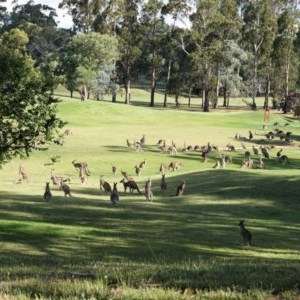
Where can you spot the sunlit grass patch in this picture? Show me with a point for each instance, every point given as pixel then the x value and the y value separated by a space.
pixel 183 247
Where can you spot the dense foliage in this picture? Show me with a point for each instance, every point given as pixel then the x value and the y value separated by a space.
pixel 181 46
pixel 27 111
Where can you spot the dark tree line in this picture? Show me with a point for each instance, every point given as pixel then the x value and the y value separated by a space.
pixel 213 47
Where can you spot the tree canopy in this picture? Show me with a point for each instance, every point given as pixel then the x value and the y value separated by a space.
pixel 27 110
pixel 179 45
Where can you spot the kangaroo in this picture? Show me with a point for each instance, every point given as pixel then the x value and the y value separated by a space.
pixel 163 184
pixel 247 237
pixel 174 165
pixel 283 159
pixel 180 189
pixel 114 196
pixel 162 168
pixel 142 164
pixel 81 165
pixel 66 189
pixel 23 172
pixel 148 190
pixel 55 179
pixel 104 185
pixel 125 174
pixel 131 184
pixel 137 170
pixel 47 194
pixel 143 140
pixel 114 169
pixel 83 175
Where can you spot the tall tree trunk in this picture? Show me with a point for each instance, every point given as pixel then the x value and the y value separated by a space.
pixel 167 82
pixel 268 89
pixel 287 73
pixel 190 92
pixel 127 91
pixel 205 91
pixel 224 97
pixel 217 89
pixel 84 94
pixel 206 101
pixel 153 85
pixel 177 103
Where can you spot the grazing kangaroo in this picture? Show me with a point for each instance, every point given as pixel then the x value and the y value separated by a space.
pixel 163 184
pixel 174 165
pixel 181 189
pixel 283 159
pixel 247 237
pixel 230 147
pixel 104 185
pixel 81 165
pixel 148 190
pixel 114 196
pixel 66 189
pixel 55 179
pixel 131 184
pixel 47 194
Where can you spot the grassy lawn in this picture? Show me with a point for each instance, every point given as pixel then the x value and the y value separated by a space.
pixel 176 247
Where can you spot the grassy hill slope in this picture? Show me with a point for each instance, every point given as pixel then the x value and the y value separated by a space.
pixel 172 248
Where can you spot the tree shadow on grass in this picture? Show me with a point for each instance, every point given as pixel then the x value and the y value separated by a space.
pixel 204 221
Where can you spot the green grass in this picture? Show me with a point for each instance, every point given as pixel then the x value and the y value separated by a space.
pixel 186 247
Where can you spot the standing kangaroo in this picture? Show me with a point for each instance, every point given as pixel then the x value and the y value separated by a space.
pixel 114 196
pixel 66 189
pixel 247 237
pixel 148 190
pixel 24 173
pixel 180 189
pixel 47 194
pixel 163 184
pixel 104 185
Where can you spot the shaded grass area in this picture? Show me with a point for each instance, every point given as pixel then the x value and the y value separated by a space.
pixel 187 242
pixel 173 248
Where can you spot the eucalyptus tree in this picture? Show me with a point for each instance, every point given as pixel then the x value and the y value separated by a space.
pixel 81 12
pixel 45 38
pixel 207 36
pixel 258 36
pixel 38 21
pixel 286 53
pixel 28 117
pixel 230 80
pixel 178 10
pixel 228 27
pixel 116 18
pixel 181 77
pixel 84 57
pixel 3 13
pixel 129 45
pixel 153 29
